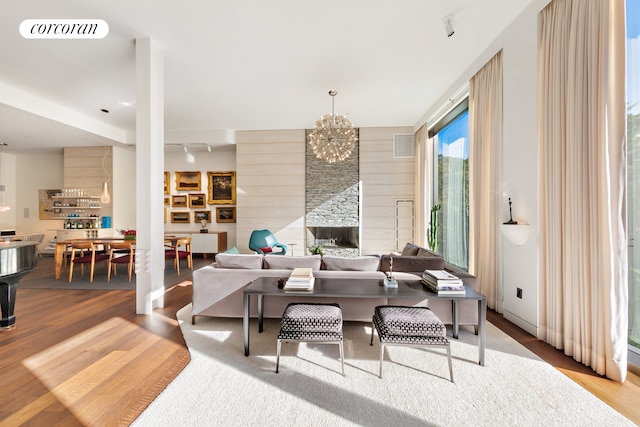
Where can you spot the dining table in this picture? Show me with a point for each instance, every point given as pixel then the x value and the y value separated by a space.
pixel 61 247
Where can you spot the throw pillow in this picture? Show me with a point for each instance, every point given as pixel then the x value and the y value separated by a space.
pixel 232 250
pixel 410 249
pixel 241 261
pixel 280 262
pixel 363 263
pixel 266 249
pixel 412 264
pixel 426 252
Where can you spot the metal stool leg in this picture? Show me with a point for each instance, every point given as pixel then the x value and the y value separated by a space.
pixel 342 355
pixel 381 358
pixel 278 357
pixel 450 365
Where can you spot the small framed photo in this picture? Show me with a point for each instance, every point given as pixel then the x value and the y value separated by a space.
pixel 197 201
pixel 222 188
pixel 179 200
pixel 165 215
pixel 167 186
pixel 201 216
pixel 167 200
pixel 180 217
pixel 187 181
pixel 227 214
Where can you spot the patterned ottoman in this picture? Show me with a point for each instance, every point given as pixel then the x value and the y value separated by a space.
pixel 309 322
pixel 409 326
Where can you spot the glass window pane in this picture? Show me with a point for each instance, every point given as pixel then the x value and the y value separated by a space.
pixel 452 190
pixel 633 167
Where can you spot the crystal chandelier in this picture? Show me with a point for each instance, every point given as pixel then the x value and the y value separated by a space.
pixel 333 137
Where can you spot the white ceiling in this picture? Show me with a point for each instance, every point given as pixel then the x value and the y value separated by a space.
pixel 236 65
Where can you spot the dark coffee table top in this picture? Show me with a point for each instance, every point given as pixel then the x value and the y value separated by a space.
pixel 357 288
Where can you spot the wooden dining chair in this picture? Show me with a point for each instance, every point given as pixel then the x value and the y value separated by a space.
pixel 174 252
pixel 121 253
pixel 78 256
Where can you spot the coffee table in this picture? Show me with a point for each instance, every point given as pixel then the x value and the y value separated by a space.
pixel 363 288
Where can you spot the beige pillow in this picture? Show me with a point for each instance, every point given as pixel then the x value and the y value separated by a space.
pixel 363 263
pixel 241 261
pixel 284 262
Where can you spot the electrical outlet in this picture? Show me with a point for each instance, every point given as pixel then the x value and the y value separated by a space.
pixel 519 293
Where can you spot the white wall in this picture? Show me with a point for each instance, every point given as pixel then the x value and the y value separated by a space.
pixel 219 160
pixel 36 172
pixel 8 174
pixel 520 166
pixel 123 188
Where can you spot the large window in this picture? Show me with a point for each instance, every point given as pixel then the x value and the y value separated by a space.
pixel 450 137
pixel 633 170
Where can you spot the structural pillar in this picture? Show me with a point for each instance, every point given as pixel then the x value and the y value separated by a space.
pixel 149 176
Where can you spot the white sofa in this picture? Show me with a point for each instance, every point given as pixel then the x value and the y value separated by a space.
pixel 218 287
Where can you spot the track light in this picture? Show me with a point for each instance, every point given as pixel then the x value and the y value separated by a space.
pixel 448 26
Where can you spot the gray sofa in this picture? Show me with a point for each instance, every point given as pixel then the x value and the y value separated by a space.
pixel 218 287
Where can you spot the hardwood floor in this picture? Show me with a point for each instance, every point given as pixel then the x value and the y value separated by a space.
pixel 85 358
pixel 79 357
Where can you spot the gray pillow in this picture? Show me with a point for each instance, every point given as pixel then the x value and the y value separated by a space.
pixel 363 263
pixel 241 261
pixel 410 249
pixel 284 262
pixel 412 264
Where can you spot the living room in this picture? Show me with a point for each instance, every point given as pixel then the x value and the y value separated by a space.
pixel 269 161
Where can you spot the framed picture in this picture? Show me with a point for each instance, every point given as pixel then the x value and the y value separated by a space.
pixel 180 217
pixel 165 215
pixel 197 201
pixel 179 200
pixel 167 187
pixel 226 214
pixel 201 215
pixel 167 200
pixel 187 181
pixel 222 188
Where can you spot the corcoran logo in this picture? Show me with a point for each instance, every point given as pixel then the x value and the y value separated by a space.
pixel 64 29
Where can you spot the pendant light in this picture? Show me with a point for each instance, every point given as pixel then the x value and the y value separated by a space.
pixel 105 197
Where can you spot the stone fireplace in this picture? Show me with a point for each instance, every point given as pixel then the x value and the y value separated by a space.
pixel 333 203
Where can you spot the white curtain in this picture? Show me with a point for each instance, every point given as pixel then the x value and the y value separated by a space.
pixel 581 131
pixel 424 166
pixel 485 158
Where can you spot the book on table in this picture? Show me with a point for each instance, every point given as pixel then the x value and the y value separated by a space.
pixel 300 279
pixel 440 278
pixel 445 289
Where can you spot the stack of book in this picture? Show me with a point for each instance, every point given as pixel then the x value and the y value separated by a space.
pixel 442 282
pixel 301 279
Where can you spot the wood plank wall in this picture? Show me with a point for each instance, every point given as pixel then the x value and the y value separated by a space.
pixel 88 168
pixel 270 178
pixel 384 179
pixel 270 168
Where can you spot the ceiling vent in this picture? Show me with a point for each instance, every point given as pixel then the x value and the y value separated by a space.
pixel 403 145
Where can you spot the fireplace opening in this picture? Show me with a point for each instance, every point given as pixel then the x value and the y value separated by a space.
pixel 342 237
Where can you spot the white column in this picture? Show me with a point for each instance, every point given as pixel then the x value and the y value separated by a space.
pixel 149 176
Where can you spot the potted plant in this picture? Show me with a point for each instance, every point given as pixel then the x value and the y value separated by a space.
pixel 432 230
pixel 316 250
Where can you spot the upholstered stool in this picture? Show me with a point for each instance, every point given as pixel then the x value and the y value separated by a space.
pixel 308 322
pixel 409 326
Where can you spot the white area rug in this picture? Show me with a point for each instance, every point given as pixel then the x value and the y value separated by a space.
pixel 221 386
